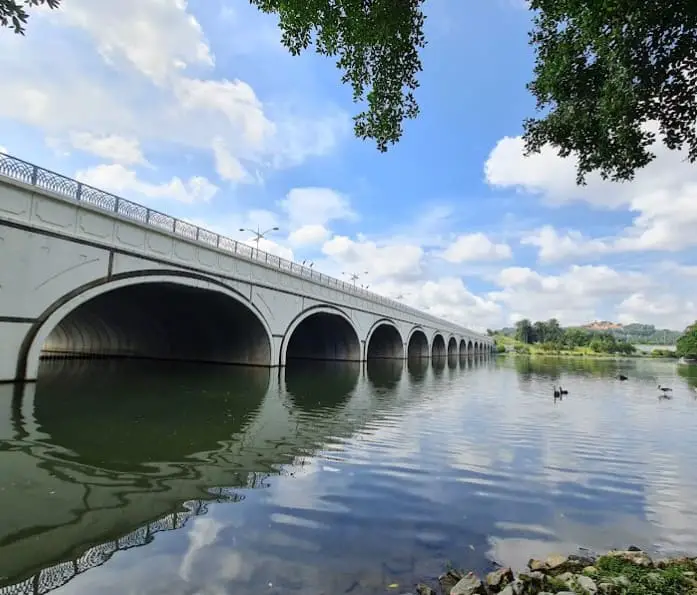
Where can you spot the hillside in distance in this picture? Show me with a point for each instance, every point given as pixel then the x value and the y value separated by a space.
pixel 646 334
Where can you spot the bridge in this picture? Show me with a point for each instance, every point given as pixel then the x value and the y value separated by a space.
pixel 84 273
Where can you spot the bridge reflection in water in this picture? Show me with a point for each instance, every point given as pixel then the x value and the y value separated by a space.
pixel 100 456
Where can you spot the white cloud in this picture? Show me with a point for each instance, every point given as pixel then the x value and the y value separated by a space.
pixel 227 165
pixel 158 38
pixel 125 182
pixel 309 235
pixel 476 247
pixel 110 94
pixel 663 197
pixel 574 297
pixel 112 147
pixel 315 206
pixel 380 261
pixel 663 309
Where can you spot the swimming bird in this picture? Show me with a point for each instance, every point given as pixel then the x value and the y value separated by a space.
pixel 622 377
pixel 562 391
pixel 665 389
pixel 557 393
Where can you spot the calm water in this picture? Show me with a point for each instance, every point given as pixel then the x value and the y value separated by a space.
pixel 133 478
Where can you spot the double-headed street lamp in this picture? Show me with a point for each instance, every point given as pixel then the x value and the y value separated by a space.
pixel 354 276
pixel 258 235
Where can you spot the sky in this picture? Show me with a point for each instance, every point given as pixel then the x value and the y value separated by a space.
pixel 196 109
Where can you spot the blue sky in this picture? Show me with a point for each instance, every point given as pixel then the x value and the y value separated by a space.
pixel 197 110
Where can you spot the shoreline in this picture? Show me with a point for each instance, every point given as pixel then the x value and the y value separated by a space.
pixel 617 572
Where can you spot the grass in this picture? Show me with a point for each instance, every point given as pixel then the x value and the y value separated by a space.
pixel 639 580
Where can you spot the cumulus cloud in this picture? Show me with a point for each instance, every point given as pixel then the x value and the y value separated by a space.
pixel 662 197
pixel 476 247
pixel 120 180
pixel 149 81
pixel 111 147
pixel 574 296
pixel 315 206
pixel 309 235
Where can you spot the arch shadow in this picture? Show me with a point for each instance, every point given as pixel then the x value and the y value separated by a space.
pixel 417 369
pixel 438 349
pixel 323 333
pixel 452 347
pixel 417 344
pixel 152 315
pixel 124 415
pixel 384 374
pixel 384 341
pixel 321 385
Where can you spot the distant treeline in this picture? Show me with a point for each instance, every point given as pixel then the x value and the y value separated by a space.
pixel 646 334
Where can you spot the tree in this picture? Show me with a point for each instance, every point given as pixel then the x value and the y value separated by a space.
pixel 539 332
pixel 603 71
pixel 576 337
pixel 377 43
pixel 687 343
pixel 13 13
pixel 523 331
pixel 553 331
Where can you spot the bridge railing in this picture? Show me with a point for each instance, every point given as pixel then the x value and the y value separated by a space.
pixel 28 173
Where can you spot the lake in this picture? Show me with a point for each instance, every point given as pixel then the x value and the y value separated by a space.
pixel 136 477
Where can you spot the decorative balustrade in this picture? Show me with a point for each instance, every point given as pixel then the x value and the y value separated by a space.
pixel 28 173
pixel 55 576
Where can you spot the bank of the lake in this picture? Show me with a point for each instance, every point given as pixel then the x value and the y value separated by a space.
pixel 619 572
pixel 124 477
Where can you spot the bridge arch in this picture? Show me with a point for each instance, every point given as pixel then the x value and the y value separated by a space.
pixel 470 347
pixel 150 314
pixel 476 346
pixel 462 348
pixel 452 347
pixel 321 333
pixel 438 348
pixel 384 341
pixel 417 344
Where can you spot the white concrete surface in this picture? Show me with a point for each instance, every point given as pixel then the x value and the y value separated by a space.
pixel 84 272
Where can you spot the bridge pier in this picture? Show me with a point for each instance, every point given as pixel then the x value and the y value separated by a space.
pixel 12 335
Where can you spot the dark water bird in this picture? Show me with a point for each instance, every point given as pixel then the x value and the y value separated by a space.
pixel 562 391
pixel 557 393
pixel 622 377
pixel 665 389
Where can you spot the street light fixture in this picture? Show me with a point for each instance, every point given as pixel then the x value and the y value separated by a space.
pixel 354 276
pixel 258 235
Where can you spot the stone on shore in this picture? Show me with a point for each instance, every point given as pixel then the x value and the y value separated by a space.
pixel 469 585
pixel 448 580
pixel 424 590
pixel 498 579
pixel 638 558
pixel 587 584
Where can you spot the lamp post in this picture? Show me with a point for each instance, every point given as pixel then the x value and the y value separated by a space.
pixel 258 235
pixel 354 276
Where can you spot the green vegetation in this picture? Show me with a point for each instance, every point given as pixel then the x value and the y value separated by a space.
pixel 641 580
pixel 687 343
pixel 603 70
pixel 646 334
pixel 13 13
pixel 550 338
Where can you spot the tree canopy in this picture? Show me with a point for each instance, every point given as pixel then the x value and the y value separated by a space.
pixel 13 13
pixel 610 77
pixel 687 343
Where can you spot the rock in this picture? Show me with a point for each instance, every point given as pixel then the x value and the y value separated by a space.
pixel 587 584
pixel 662 563
pixel 622 581
pixel 590 570
pixel 608 589
pixel 633 548
pixel 470 585
pixel 566 577
pixel 517 587
pixel 448 580
pixel 498 579
pixel 534 564
pixel 558 563
pixel 637 558
pixel 424 590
